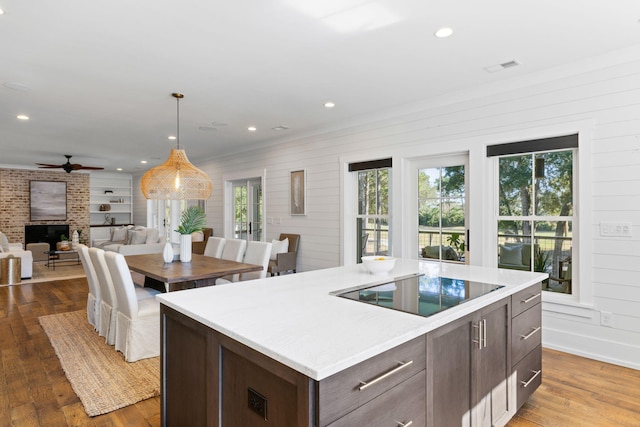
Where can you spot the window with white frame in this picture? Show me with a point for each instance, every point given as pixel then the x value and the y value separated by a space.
pixel 536 216
pixel 373 214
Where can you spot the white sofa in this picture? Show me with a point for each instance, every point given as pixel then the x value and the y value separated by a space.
pixel 130 240
pixel 26 263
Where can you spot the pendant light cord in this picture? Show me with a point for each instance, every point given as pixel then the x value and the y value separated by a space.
pixel 178 97
pixel 178 122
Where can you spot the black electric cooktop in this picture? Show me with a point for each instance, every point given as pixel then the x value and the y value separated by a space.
pixel 421 295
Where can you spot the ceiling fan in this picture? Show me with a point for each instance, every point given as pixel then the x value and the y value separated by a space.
pixel 68 167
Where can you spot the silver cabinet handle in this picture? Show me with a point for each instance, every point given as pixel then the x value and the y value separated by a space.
pixel 479 340
pixel 530 334
pixel 535 374
pixel 484 332
pixel 400 367
pixel 531 298
pixel 407 424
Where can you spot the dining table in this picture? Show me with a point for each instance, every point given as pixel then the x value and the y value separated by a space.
pixel 201 271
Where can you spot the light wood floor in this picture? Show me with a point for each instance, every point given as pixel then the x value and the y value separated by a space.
pixel 34 391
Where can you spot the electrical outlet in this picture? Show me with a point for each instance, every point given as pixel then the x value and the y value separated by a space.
pixel 606 319
pixel 616 229
pixel 257 403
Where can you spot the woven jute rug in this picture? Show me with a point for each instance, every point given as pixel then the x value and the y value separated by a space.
pixel 98 374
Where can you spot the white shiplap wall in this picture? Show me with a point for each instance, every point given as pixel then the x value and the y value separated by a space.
pixel 602 94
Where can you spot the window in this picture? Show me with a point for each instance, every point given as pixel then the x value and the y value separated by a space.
pixel 247 209
pixel 441 212
pixel 535 213
pixel 373 234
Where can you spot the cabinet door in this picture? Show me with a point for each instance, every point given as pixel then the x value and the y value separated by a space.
pixel 491 365
pixel 467 368
pixel 188 360
pixel 449 375
pixel 257 391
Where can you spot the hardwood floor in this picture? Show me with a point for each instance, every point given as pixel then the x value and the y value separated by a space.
pixel 33 388
pixel 576 391
pixel 35 392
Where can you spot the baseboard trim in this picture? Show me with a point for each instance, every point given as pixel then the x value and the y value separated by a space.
pixel 609 351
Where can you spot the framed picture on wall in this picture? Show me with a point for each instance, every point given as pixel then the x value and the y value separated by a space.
pixel 298 193
pixel 48 200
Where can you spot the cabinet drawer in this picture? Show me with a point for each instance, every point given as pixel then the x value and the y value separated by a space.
pixel 404 403
pixel 526 333
pixel 525 299
pixel 343 392
pixel 529 375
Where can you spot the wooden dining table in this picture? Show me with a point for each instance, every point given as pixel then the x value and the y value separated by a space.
pixel 201 271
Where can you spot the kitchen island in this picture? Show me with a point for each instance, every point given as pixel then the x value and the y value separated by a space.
pixel 287 351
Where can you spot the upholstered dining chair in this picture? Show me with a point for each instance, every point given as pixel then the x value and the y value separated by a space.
pixel 257 253
pixel 215 246
pixel 137 321
pixel 233 251
pixel 109 303
pixel 285 261
pixel 93 298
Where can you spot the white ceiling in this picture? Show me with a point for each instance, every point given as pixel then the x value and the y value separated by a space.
pixel 95 76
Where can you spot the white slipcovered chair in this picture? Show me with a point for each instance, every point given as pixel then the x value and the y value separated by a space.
pixel 138 320
pixel 257 253
pixel 93 298
pixel 233 251
pixel 214 247
pixel 109 303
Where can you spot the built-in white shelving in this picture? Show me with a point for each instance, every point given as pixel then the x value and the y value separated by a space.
pixel 111 199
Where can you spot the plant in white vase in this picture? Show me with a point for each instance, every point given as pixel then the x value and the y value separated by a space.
pixel 193 219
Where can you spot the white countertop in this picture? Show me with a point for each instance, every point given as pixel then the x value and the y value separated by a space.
pixel 295 319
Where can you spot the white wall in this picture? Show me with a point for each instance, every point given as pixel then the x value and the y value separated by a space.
pixel 601 96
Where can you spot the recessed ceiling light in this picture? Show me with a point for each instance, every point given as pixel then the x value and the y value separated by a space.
pixel 329 104
pixel 118 169
pixel 144 162
pixel 1 12
pixel 171 137
pixel 22 117
pixel 252 128
pixel 443 32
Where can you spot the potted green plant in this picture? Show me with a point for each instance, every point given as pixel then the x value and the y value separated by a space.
pixel 193 219
pixel 64 243
pixel 455 240
pixel 541 262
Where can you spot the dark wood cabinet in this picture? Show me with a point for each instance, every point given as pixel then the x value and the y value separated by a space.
pixel 401 405
pixel 461 374
pixel 468 363
pixel 207 377
pixel 351 388
pixel 526 338
pixel 189 372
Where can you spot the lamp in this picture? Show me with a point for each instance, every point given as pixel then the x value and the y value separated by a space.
pixel 177 178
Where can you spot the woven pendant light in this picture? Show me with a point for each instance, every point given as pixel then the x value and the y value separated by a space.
pixel 177 178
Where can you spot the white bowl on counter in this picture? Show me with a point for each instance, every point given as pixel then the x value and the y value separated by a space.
pixel 378 264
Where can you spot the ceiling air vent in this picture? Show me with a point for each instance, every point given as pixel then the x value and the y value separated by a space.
pixel 503 66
